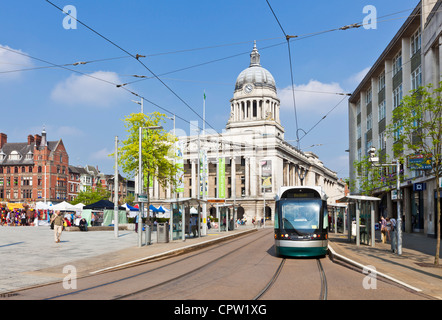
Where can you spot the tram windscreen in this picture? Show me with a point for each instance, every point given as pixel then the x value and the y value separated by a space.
pixel 301 216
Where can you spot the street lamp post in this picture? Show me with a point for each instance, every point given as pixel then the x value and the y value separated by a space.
pixel 140 186
pixel 375 160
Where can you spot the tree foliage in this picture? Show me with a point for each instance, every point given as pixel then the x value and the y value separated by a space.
pixel 157 149
pixel 416 129
pixel 91 195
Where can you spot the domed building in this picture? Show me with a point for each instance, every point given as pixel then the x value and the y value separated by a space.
pixel 244 166
pixel 255 104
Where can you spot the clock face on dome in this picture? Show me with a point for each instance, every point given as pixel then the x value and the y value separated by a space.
pixel 248 88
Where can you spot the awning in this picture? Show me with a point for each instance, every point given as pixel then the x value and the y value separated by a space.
pixel 12 206
pixel 351 198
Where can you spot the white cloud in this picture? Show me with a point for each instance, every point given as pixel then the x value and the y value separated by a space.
pixel 354 80
pixel 77 90
pixel 313 97
pixel 10 60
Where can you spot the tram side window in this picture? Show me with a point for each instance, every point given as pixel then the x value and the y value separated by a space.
pixel 277 215
pixel 325 223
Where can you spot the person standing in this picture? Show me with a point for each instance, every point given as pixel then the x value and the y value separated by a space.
pixel 57 218
pixel 383 229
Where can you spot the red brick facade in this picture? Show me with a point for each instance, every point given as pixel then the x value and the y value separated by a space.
pixel 36 170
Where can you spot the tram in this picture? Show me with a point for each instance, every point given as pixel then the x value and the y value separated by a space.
pixel 301 222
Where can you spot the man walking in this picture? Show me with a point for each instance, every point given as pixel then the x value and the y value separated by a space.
pixel 57 218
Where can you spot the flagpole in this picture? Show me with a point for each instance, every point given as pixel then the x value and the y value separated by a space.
pixel 204 113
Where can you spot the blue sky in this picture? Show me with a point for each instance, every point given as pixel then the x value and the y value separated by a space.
pixel 87 113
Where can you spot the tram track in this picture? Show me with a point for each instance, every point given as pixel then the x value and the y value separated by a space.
pixel 121 280
pixel 274 278
pixel 323 294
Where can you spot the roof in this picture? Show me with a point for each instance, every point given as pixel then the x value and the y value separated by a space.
pixel 354 198
pixel 22 149
pixel 392 46
pixel 255 74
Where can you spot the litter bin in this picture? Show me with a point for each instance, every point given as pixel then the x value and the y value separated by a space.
pixel 163 232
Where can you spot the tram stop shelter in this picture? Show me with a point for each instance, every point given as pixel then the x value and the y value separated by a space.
pixel 339 214
pixel 362 208
pixel 182 221
pixel 226 215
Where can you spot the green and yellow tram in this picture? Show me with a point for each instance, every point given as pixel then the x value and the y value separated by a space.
pixel 301 222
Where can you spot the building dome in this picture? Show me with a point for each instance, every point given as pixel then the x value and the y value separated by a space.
pixel 256 75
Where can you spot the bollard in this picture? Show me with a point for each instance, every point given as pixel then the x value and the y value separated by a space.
pixel 148 235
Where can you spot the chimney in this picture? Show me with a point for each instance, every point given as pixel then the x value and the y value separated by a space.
pixel 3 139
pixel 37 139
pixel 30 139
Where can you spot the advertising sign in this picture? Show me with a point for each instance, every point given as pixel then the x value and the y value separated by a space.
pixel 420 162
pixel 180 165
pixel 204 175
pixel 266 175
pixel 221 178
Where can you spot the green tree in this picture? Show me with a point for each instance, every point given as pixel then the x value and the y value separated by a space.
pixel 157 149
pixel 91 195
pixel 371 178
pixel 416 129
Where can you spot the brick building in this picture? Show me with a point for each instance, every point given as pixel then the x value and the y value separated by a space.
pixel 36 170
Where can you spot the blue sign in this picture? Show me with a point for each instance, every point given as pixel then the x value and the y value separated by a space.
pixel 419 186
pixel 420 162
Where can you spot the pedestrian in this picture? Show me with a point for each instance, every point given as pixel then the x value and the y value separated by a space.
pixel 57 218
pixel 393 235
pixel 388 229
pixel 83 225
pixel 383 229
pixel 23 218
pixel 393 224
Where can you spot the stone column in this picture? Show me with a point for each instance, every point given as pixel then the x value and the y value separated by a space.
pixel 247 176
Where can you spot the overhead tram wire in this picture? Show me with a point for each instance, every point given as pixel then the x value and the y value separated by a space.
pixel 203 63
pixel 132 92
pixel 356 25
pixel 305 133
pixel 61 65
pixel 291 68
pixel 53 65
pixel 136 57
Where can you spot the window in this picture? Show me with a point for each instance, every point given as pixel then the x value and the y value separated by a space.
pixel 301 216
pixel 358 107
pixel 358 131
pixel 381 110
pixel 416 42
pixel 397 63
pixel 368 96
pixel 369 122
pixel 398 130
pixel 397 96
pixel 416 78
pixel 14 156
pixel 369 145
pixel 382 141
pixel 381 82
